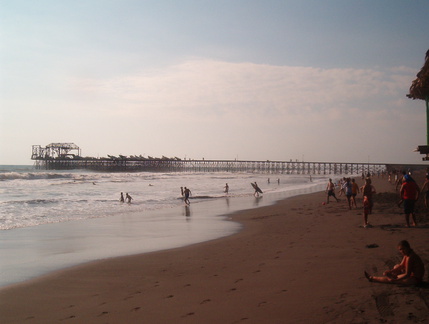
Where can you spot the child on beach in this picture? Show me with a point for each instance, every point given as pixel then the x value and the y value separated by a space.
pixel 366 207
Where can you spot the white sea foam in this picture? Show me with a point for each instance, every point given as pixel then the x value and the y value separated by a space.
pixel 34 197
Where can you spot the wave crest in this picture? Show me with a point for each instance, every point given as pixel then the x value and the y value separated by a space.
pixel 33 176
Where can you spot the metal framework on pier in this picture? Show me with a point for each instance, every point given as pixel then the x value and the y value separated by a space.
pixel 55 151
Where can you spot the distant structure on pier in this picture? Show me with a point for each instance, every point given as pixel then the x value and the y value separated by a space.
pixel 63 156
pixel 55 151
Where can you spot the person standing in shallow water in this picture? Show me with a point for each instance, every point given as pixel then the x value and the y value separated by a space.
pixel 128 198
pixel 226 188
pixel 121 199
pixel 187 193
pixel 257 190
pixel 409 272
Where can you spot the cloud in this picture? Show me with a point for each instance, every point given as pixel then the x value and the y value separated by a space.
pixel 207 88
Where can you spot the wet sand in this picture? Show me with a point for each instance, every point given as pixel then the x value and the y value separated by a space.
pixel 298 261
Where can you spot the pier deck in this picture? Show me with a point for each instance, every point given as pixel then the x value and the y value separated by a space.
pixel 155 165
pixel 66 156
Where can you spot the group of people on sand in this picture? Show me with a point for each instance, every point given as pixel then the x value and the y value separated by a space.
pixel 409 193
pixel 350 189
pixel 127 198
pixel 411 270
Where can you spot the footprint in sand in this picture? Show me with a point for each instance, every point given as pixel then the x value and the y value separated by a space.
pixel 383 305
pixel 189 314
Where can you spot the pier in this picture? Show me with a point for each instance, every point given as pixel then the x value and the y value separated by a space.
pixel 67 156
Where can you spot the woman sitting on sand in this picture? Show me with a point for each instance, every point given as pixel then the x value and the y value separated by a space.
pixel 409 272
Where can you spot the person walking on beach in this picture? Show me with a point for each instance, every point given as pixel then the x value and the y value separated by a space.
pixel 330 189
pixel 366 211
pixel 409 272
pixel 410 193
pixel 128 198
pixel 355 191
pixel 187 193
pixel 368 191
pixel 347 188
pixel 121 199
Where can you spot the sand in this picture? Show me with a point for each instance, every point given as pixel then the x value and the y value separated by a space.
pixel 298 261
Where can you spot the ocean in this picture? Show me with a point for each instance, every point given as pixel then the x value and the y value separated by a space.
pixel 52 219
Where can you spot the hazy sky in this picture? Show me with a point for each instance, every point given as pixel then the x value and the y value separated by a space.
pixel 221 79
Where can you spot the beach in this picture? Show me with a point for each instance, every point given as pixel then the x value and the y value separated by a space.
pixel 297 261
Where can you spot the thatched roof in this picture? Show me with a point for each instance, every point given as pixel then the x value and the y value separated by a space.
pixel 420 87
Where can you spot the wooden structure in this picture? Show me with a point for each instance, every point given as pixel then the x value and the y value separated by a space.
pixel 58 156
pixel 420 90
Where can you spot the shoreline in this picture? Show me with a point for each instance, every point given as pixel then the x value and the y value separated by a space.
pixel 34 251
pixel 295 261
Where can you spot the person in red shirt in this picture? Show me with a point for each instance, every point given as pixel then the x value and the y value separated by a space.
pixel 410 193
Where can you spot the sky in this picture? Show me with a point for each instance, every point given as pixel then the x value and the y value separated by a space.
pixel 306 80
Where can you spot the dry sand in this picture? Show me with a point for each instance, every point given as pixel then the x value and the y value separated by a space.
pixel 298 261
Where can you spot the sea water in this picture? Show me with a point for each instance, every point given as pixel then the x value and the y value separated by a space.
pixel 30 197
pixel 52 219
